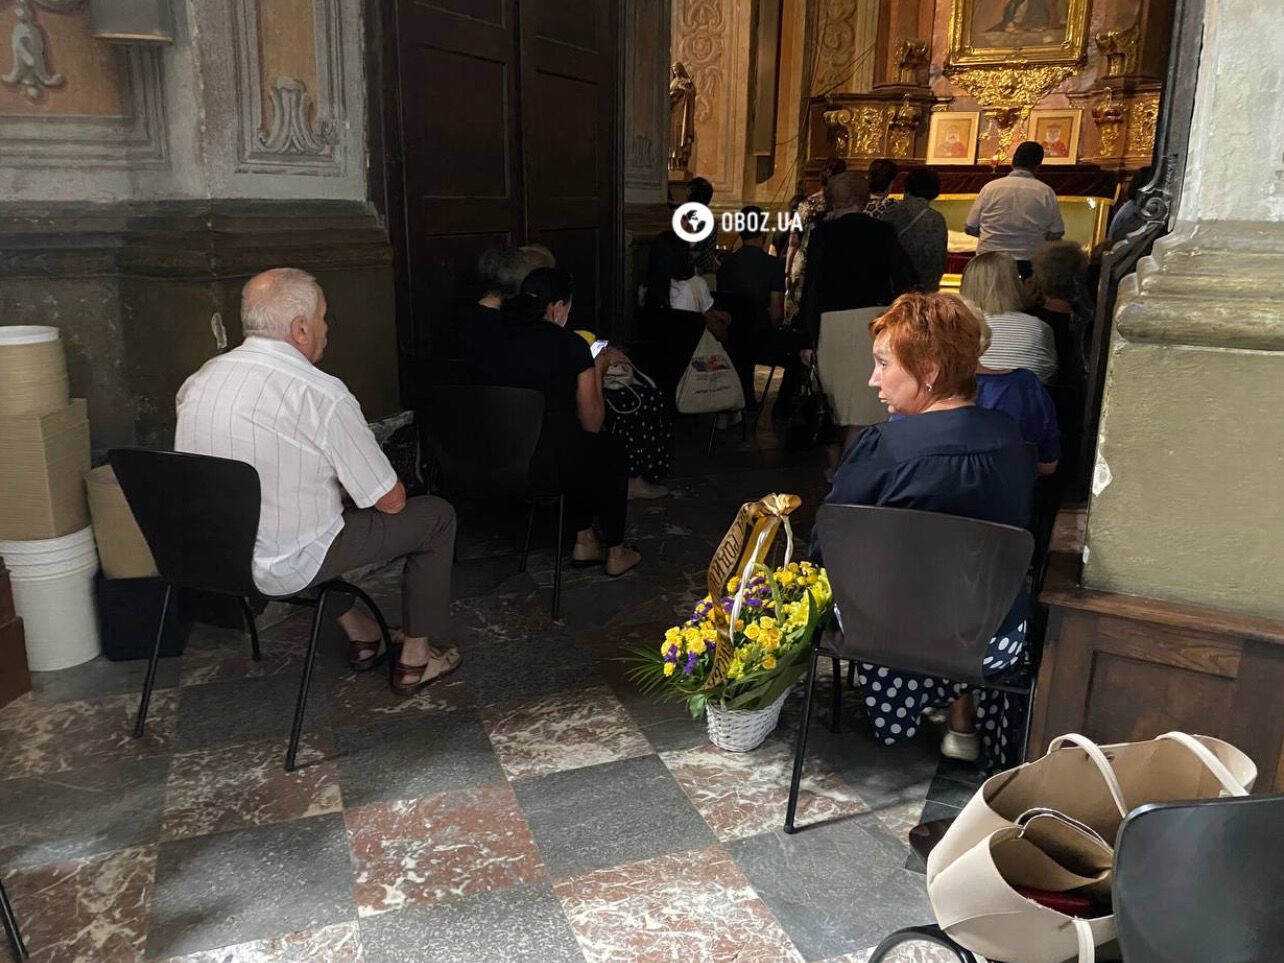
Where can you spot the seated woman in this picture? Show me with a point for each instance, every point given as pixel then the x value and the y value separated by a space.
pixel 947 455
pixel 992 286
pixel 1023 398
pixel 535 350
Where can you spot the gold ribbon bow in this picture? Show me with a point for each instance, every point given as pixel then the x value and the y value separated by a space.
pixel 737 553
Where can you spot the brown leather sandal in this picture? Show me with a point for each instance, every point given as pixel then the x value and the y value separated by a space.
pixel 441 662
pixel 359 663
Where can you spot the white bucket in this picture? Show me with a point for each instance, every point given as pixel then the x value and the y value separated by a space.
pixel 53 593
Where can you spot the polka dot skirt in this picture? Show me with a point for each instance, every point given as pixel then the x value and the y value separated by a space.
pixel 895 701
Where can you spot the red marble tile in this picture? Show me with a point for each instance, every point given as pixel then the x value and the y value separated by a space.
pixel 440 847
pixel 742 794
pixel 687 906
pixel 37 738
pixel 216 790
pixel 564 731
pixel 92 909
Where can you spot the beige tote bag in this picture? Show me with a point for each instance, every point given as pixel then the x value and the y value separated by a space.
pixel 1046 824
pixel 1098 786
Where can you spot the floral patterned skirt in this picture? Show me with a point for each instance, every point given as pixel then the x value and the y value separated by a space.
pixel 895 700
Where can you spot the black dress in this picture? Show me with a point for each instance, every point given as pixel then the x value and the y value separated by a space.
pixel 588 467
pixel 966 461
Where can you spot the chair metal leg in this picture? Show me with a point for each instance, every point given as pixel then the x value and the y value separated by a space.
pixel 851 674
pixel 921 934
pixel 837 701
pixel 557 560
pixel 150 681
pixel 713 431
pixel 767 388
pixel 526 545
pixel 11 925
pixel 253 629
pixel 800 745
pixel 350 589
pixel 301 706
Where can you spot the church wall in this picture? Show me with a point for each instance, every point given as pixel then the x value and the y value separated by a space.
pixel 138 194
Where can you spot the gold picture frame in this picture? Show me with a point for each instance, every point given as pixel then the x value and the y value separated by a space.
pixel 1058 131
pixel 1009 32
pixel 952 136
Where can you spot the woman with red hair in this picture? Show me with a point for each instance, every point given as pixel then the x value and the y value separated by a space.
pixel 944 454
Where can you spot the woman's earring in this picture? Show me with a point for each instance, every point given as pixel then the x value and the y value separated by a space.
pixel 929 386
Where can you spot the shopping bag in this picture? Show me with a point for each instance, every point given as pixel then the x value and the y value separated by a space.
pixel 710 382
pixel 1098 785
pixel 982 909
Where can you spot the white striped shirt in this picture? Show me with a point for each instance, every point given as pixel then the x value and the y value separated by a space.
pixel 1021 340
pixel 265 404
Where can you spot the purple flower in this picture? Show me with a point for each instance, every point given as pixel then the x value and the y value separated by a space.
pixel 672 654
pixel 690 666
pixel 753 603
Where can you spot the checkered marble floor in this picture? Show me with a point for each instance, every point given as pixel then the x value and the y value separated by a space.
pixel 533 807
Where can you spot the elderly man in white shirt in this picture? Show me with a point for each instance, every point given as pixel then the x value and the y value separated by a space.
pixel 266 403
pixel 1016 215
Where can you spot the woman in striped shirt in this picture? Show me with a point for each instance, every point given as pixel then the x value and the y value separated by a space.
pixel 992 286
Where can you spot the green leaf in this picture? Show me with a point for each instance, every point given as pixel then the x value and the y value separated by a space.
pixel 696 704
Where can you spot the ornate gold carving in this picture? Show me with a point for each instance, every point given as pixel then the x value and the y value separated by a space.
pixel 1007 94
pixel 1143 116
pixel 1119 47
pixel 838 128
pixel 869 132
pixel 1068 48
pixel 904 125
pixel 1109 117
pixel 911 56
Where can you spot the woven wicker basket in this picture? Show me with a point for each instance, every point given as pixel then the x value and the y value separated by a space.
pixel 742 730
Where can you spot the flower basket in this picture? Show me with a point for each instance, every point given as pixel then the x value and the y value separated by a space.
pixel 748 641
pixel 742 730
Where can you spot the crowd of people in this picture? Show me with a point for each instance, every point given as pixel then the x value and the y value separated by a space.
pixel 982 392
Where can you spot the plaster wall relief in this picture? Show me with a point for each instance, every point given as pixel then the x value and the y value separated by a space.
pixel 289 76
pixel 711 38
pixel 646 102
pixel 67 98
pixel 846 39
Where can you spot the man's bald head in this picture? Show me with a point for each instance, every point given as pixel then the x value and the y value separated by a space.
pixel 285 304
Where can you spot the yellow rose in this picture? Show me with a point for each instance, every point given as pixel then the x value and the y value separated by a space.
pixel 785 577
pixel 751 631
pixel 767 622
pixel 740 625
pixel 669 668
pixel 768 663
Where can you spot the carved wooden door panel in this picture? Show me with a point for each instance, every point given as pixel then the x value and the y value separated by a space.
pixel 569 98
pixel 460 153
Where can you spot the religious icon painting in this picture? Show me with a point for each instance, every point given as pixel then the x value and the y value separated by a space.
pixel 951 138
pixel 1058 132
pixel 1013 33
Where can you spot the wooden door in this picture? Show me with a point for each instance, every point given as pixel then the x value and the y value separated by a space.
pixel 461 157
pixel 569 104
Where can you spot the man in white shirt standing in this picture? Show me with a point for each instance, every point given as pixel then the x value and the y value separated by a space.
pixel 1016 215
pixel 266 403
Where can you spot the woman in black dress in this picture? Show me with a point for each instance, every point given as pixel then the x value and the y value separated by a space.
pixel 534 349
pixel 944 455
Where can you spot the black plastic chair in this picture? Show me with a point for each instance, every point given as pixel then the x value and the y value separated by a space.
pixel 1197 882
pixel 200 515
pixel 484 438
pixel 11 925
pixel 918 591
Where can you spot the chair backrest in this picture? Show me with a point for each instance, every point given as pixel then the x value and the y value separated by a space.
pixel 1202 881
pixel 199 514
pixel 484 436
pixel 920 591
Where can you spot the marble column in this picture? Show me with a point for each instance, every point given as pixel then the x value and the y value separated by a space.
pixel 1186 495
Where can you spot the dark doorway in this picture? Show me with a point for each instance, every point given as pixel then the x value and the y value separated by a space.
pixel 499 126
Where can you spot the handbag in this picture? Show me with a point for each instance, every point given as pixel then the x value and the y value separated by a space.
pixel 636 416
pixel 973 872
pixel 710 383
pixel 809 423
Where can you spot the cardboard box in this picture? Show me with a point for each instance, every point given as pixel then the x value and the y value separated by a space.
pixel 121 547
pixel 43 460
pixel 15 679
pixel 6 596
